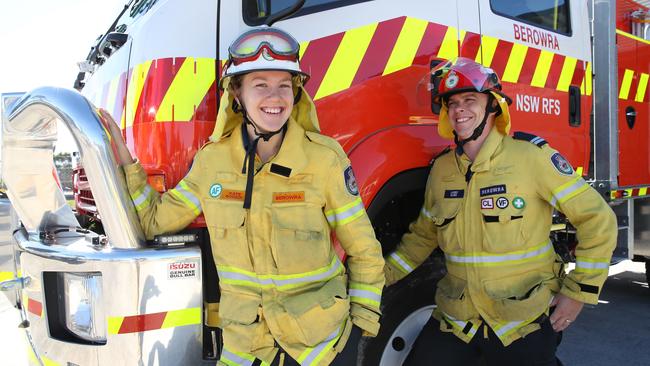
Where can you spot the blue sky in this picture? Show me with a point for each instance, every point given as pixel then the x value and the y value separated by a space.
pixel 41 42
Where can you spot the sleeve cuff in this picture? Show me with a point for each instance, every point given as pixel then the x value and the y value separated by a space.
pixel 134 172
pixel 365 319
pixel 578 292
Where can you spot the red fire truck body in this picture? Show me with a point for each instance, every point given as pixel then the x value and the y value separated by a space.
pixel 575 70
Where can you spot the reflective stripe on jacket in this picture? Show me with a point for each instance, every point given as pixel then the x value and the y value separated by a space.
pixel 494 232
pixel 280 277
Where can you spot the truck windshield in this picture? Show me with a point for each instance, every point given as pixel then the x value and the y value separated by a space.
pixel 549 14
pixel 256 11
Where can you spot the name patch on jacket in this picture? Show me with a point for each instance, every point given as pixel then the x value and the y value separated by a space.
pixel 454 193
pixel 284 197
pixel 492 190
pixel 228 194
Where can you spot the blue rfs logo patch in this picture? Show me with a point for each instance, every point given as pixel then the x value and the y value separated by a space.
pixel 561 164
pixel 350 181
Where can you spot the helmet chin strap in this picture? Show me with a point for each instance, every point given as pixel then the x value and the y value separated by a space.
pixel 478 131
pixel 249 160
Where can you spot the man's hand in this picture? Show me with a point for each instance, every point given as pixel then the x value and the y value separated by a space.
pixel 566 312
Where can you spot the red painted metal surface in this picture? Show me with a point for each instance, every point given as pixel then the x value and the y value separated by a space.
pixel 634 160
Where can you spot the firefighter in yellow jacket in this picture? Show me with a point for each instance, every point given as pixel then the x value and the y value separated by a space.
pixel 488 205
pixel 272 190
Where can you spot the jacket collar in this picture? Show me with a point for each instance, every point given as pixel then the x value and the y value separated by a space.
pixel 289 160
pixel 485 154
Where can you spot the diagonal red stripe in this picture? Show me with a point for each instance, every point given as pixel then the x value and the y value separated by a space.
pixel 207 109
pixel 578 73
pixel 430 44
pixel 141 323
pixel 501 55
pixel 471 43
pixel 555 71
pixel 317 59
pixel 161 74
pixel 528 68
pixel 35 307
pixel 379 49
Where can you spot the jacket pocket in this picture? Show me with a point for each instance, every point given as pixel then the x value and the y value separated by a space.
pixel 452 300
pixel 443 216
pixel 503 228
pixel 519 297
pixel 226 225
pixel 238 315
pixel 301 241
pixel 312 316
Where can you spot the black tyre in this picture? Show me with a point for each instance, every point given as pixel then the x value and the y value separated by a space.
pixel 407 306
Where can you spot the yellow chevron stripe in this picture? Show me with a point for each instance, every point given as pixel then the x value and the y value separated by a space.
pixel 449 46
pixel 347 59
pixel 643 191
pixel 187 90
pixel 178 318
pixel 641 88
pixel 461 36
pixel 515 63
pixel 138 77
pixel 624 93
pixel 114 324
pixel 486 50
pixel 406 46
pixel 579 171
pixel 303 48
pixel 567 73
pixel 4 276
pixel 542 69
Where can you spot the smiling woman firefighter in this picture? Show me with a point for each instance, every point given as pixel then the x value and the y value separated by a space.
pixel 488 206
pixel 272 190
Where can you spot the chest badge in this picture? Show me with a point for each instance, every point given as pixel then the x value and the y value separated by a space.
pixel 518 203
pixel 215 190
pixel 487 203
pixel 502 202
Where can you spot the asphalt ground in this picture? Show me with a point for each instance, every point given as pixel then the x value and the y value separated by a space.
pixel 615 332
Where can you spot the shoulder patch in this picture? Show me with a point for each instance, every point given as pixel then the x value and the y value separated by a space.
pixel 535 140
pixel 351 181
pixel 443 152
pixel 561 164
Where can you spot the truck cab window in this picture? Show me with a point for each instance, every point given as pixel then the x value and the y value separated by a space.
pixel 256 11
pixel 548 14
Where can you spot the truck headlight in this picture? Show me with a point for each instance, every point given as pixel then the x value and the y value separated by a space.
pixel 83 311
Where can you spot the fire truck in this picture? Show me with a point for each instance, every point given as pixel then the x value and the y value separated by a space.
pixel 92 291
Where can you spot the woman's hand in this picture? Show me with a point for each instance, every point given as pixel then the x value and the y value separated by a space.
pixel 122 152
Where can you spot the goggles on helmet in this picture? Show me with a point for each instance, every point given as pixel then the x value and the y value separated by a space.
pixel 269 43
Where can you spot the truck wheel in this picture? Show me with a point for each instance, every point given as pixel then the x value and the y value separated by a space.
pixel 407 306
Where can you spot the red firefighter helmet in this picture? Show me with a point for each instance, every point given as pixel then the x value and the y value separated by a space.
pixel 462 75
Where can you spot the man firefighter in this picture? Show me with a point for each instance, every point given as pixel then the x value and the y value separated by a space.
pixel 488 205
pixel 272 189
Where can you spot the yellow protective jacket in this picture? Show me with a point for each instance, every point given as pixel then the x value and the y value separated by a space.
pixel 280 278
pixel 494 232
